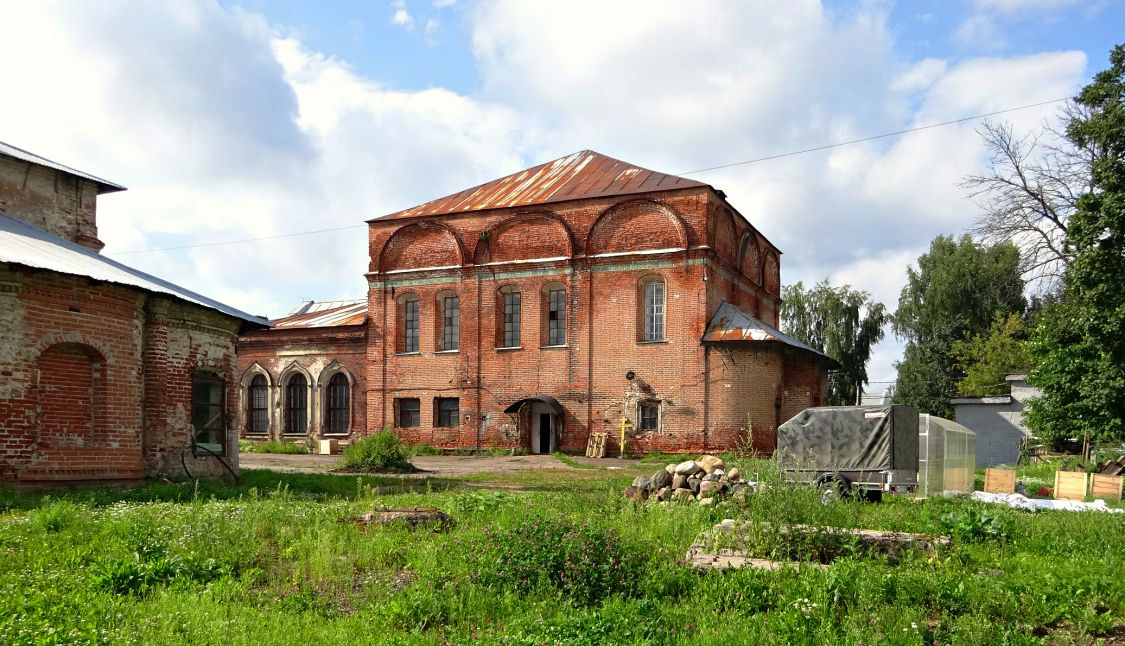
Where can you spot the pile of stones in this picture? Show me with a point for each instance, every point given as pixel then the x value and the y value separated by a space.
pixel 704 480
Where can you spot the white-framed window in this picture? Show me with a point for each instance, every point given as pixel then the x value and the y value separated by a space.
pixel 652 309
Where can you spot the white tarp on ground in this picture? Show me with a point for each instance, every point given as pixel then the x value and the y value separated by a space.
pixel 1023 502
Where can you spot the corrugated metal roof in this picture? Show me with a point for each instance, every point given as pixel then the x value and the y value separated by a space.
pixel 27 245
pixel 730 324
pixel 325 314
pixel 581 175
pixel 104 186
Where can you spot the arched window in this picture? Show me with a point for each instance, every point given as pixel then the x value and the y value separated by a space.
pixel 339 404
pixel 297 405
pixel 554 314
pixel 257 406
pixel 449 321
pixel 652 308
pixel 408 324
pixel 509 320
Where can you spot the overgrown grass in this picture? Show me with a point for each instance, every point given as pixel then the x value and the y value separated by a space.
pixel 277 560
pixel 571 462
pixel 272 446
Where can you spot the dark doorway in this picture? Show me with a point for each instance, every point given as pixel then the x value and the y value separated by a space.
pixel 544 432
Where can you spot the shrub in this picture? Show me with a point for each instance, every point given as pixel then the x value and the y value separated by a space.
pixel 383 451
pixel 583 562
pixel 973 525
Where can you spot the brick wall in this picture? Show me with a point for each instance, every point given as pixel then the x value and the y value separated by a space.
pixel 317 354
pixel 96 379
pixel 57 202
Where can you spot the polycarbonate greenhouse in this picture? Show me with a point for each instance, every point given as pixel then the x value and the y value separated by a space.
pixel 947 456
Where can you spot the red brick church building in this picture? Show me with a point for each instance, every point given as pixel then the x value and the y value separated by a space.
pixel 539 307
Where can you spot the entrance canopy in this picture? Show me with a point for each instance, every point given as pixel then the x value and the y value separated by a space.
pixel 546 399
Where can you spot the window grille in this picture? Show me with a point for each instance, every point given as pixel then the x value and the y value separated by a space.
pixel 654 311
pixel 451 323
pixel 207 414
pixel 339 408
pixel 511 319
pixel 556 317
pixel 258 415
pixel 410 325
pixel 297 405
pixel 649 416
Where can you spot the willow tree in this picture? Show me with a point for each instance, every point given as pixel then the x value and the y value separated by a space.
pixel 841 322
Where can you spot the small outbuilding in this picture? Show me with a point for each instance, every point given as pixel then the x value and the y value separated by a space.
pixel 106 373
pixel 997 421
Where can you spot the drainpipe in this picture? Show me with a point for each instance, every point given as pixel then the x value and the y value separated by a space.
pixel 590 354
pixel 479 420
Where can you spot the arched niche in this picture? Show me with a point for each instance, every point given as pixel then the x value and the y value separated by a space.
pixel 723 236
pixel 525 237
pixel 639 225
pixel 771 273
pixel 750 258
pixel 419 246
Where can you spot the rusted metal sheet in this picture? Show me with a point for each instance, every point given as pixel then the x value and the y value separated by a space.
pixel 581 175
pixel 731 325
pixel 337 313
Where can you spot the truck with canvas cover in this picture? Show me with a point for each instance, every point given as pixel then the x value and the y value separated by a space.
pixel 847 448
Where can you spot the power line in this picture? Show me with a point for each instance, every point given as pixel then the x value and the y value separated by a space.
pixel 690 172
pixel 874 137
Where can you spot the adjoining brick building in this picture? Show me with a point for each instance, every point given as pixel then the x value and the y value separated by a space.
pixel 540 307
pixel 106 373
pixel 306 378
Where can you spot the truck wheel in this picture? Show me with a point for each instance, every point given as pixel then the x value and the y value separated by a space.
pixel 834 487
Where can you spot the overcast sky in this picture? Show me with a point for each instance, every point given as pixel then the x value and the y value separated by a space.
pixel 235 120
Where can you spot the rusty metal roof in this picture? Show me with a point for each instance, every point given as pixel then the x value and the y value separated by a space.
pixel 325 314
pixel 581 175
pixel 104 186
pixel 730 324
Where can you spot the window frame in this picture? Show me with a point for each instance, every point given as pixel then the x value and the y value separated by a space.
pixel 409 328
pixel 449 322
pixel 330 407
pixel 399 401
pixel 657 409
pixel 653 316
pixel 252 409
pixel 219 418
pixel 554 302
pixel 447 418
pixel 509 334
pixel 302 397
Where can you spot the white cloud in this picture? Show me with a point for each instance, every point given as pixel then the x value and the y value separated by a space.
pixel 403 18
pixel 225 129
pixel 1025 6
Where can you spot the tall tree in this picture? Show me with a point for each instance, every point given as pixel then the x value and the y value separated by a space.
pixel 1030 189
pixel 988 358
pixel 1079 345
pixel 841 322
pixel 957 290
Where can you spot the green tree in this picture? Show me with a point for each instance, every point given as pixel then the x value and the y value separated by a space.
pixel 1079 344
pixel 956 291
pixel 843 323
pixel 988 358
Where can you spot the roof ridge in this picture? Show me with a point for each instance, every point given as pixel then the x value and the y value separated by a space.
pixel 579 175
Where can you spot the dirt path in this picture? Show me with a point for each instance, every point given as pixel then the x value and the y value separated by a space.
pixel 440 466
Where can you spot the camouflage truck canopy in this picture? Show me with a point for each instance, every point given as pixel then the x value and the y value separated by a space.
pixel 850 438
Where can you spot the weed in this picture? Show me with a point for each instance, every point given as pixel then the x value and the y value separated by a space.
pixel 289 448
pixel 381 452
pixel 972 525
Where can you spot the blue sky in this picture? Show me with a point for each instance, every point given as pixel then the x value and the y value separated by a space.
pixel 261 118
